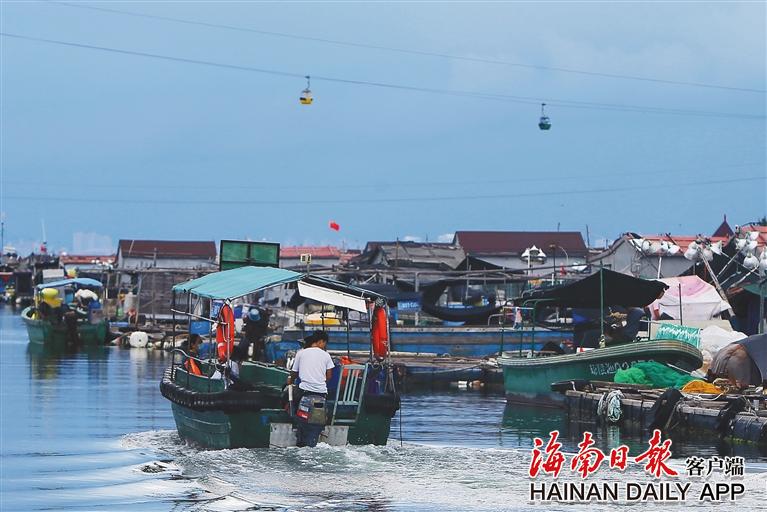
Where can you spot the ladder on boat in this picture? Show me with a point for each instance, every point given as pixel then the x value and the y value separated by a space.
pixel 350 391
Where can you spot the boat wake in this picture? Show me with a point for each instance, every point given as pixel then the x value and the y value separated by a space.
pixel 392 477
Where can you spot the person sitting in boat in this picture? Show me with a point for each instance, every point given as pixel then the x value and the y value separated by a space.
pixel 622 324
pixel 50 307
pixel 192 347
pixel 314 367
pixel 232 369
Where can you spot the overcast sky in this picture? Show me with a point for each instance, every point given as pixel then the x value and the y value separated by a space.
pixel 101 145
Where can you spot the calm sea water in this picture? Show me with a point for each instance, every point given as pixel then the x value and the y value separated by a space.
pixel 90 431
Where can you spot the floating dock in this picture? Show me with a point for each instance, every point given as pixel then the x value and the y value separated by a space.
pixel 737 417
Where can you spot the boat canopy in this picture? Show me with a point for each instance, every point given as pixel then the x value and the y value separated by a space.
pixel 79 281
pixel 230 284
pixel 619 290
pixel 238 282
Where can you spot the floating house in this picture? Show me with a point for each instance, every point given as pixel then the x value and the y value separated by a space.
pixel 412 255
pixel 167 254
pixel 316 257
pixel 535 253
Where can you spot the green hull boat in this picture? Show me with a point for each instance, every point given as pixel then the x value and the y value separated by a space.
pixel 211 416
pixel 49 333
pixel 253 411
pixel 529 380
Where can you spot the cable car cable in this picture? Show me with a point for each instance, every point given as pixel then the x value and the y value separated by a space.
pixel 431 198
pixel 410 51
pixel 448 92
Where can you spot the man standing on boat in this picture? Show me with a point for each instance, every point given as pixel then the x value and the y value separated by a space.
pixel 314 367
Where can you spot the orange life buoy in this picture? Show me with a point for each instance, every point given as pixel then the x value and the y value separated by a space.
pixel 380 333
pixel 225 332
pixel 191 366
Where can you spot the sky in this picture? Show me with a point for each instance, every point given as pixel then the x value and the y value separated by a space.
pixel 99 145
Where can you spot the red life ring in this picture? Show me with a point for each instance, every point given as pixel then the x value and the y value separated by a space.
pixel 225 332
pixel 379 335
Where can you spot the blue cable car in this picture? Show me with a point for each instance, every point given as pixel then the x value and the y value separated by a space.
pixel 544 123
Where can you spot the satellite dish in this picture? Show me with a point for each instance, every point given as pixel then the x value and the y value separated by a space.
pixel 656 248
pixel 752 245
pixel 750 262
pixel 707 254
pixel 740 243
pixel 646 246
pixel 637 243
pixel 673 249
pixel 763 260
pixel 717 248
pixel 753 235
pixel 691 253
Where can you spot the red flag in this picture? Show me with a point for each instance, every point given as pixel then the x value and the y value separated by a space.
pixel 334 225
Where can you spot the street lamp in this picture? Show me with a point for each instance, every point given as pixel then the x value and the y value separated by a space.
pixel 554 248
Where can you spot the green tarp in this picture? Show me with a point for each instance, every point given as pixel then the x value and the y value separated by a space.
pixel 238 282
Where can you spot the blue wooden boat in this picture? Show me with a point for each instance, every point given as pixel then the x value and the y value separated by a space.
pixel 463 341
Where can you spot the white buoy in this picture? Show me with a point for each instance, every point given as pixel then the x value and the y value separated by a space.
pixel 138 339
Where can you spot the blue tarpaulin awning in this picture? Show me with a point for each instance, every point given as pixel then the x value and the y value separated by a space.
pixel 238 282
pixel 79 281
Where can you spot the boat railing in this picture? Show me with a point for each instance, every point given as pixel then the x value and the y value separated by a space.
pixel 505 311
pixel 350 391
pixel 184 357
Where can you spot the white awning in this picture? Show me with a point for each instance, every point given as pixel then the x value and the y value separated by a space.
pixel 333 297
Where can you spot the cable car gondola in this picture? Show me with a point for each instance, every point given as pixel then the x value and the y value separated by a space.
pixel 306 94
pixel 544 123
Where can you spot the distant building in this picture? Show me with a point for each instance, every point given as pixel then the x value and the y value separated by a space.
pixel 169 254
pixel 321 256
pixel 415 255
pixel 626 255
pixel 724 229
pixel 85 262
pixel 524 250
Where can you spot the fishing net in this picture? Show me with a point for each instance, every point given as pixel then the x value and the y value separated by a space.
pixel 650 373
pixel 701 386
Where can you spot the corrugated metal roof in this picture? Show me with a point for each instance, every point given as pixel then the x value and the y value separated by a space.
pixel 84 259
pixel 515 242
pixel 325 251
pixel 422 254
pixel 167 249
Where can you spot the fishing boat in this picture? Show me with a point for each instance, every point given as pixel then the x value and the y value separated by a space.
pixel 528 376
pixel 60 321
pixel 529 380
pixel 257 412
